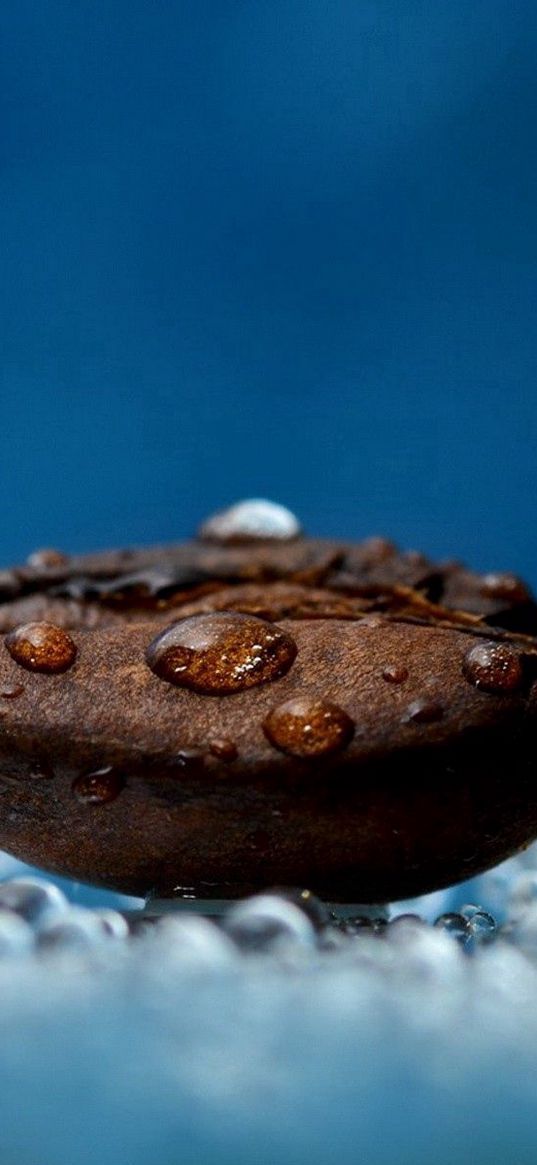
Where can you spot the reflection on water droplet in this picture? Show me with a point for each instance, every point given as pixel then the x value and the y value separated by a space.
pixel 98 787
pixel 221 653
pixel 11 691
pixel 224 748
pixel 252 520
pixel 395 673
pixel 308 728
pixel 46 559
pixel 493 667
pixel 423 711
pixel 33 899
pixel 41 647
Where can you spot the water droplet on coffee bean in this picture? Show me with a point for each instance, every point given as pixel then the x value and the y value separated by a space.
pixel 504 586
pixel 493 667
pixel 11 691
pixel 308 728
pixel 395 673
pixel 46 559
pixel 41 647
pixel 252 520
pixel 423 711
pixel 223 748
pixel 98 787
pixel 221 653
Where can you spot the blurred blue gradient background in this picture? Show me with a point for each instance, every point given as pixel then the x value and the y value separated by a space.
pixel 282 248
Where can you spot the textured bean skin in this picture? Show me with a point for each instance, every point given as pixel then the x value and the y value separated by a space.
pixel 406 806
pixel 122 775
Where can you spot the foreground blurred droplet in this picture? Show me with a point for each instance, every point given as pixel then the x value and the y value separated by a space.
pixel 33 899
pixel 114 924
pixel 76 929
pixel 268 920
pixel 190 942
pixel 16 935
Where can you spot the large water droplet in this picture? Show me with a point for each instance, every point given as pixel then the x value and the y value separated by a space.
pixel 305 727
pixel 252 520
pixel 41 647
pixel 221 653
pixel 493 667
pixel 98 787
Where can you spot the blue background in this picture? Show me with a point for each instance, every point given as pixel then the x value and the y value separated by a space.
pixel 276 247
pixel 282 247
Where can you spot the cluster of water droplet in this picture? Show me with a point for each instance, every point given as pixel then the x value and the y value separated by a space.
pixel 36 916
pixel 183 1026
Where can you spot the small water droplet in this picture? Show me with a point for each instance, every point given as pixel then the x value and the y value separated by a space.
pixel 308 728
pixel 221 653
pixel 41 647
pixel 505 586
pixel 114 924
pixel 395 673
pixel 423 711
pixel 252 520
pixel 187 760
pixel 455 925
pixel 493 667
pixel 362 924
pixel 224 748
pixel 98 787
pixel 40 771
pixel 407 919
pixel 481 925
pixel 11 691
pixel 46 559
